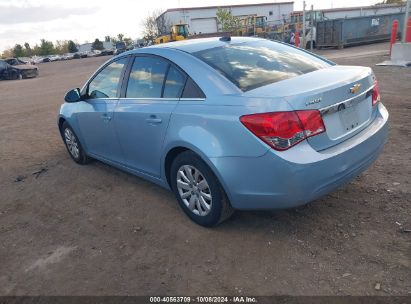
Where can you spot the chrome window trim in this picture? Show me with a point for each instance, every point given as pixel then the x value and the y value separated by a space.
pixel 150 98
pixel 192 99
pixel 347 103
pixel 108 98
pixel 162 99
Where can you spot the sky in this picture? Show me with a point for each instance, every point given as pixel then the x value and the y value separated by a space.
pixel 84 20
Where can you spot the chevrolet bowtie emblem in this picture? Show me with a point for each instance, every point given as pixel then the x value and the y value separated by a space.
pixel 354 89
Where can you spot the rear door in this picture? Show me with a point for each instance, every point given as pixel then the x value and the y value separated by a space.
pixel 95 114
pixel 153 88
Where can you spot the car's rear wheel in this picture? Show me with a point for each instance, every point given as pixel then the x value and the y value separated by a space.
pixel 198 191
pixel 73 145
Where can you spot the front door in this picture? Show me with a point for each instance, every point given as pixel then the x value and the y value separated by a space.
pixel 141 118
pixel 96 112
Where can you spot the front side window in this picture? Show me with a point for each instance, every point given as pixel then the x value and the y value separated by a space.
pixel 146 77
pixel 106 83
pixel 254 64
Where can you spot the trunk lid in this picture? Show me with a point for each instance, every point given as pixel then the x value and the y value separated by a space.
pixel 340 93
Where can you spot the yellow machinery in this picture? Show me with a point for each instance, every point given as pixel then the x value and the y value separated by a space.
pixel 178 32
pixel 253 25
pixel 311 17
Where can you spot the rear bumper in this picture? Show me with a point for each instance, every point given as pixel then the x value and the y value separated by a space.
pixel 301 174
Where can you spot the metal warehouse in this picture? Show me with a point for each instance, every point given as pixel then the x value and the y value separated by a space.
pixel 203 20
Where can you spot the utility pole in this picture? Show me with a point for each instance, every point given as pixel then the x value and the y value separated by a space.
pixel 303 35
pixel 407 13
pixel 312 27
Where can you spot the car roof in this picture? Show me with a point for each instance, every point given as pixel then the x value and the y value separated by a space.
pixel 195 45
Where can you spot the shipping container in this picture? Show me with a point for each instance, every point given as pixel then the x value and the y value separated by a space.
pixel 357 30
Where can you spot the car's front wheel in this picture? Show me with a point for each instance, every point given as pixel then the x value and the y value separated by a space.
pixel 198 191
pixel 73 145
pixel 14 75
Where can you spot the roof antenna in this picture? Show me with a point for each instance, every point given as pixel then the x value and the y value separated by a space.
pixel 225 38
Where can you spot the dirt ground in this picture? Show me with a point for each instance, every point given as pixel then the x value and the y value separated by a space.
pixel 94 230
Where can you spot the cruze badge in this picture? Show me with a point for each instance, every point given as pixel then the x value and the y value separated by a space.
pixel 354 89
pixel 314 101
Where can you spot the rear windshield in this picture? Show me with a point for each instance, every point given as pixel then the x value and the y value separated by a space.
pixel 254 64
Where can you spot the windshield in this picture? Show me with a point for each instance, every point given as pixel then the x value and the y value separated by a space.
pixel 254 64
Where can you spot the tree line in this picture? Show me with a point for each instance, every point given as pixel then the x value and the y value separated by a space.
pixel 154 25
pixel 46 47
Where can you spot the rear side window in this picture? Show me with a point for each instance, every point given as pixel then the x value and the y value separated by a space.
pixel 174 84
pixel 146 77
pixel 191 90
pixel 254 64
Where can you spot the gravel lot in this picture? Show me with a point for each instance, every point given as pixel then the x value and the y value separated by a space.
pixel 94 230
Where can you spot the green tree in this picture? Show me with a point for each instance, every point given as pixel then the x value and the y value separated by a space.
pixel 97 45
pixel 107 38
pixel 227 20
pixel 27 51
pixel 128 41
pixel 113 40
pixel 61 46
pixel 120 37
pixel 46 47
pixel 72 47
pixel 18 51
pixel 155 25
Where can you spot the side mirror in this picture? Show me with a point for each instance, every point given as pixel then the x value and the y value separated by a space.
pixel 73 95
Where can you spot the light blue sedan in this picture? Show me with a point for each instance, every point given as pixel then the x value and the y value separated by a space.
pixel 228 123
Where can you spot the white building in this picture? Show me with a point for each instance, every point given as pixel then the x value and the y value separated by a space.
pixel 204 20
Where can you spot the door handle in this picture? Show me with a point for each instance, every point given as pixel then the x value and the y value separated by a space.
pixel 106 117
pixel 153 119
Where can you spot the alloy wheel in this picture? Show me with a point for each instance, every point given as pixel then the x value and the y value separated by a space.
pixel 71 143
pixel 194 190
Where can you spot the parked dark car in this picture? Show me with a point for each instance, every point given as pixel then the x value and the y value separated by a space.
pixel 107 52
pixel 11 72
pixel 120 47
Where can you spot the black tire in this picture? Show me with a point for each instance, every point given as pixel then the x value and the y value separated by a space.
pixel 80 158
pixel 14 75
pixel 220 209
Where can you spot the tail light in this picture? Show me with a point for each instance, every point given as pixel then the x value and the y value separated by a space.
pixel 375 93
pixel 282 130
